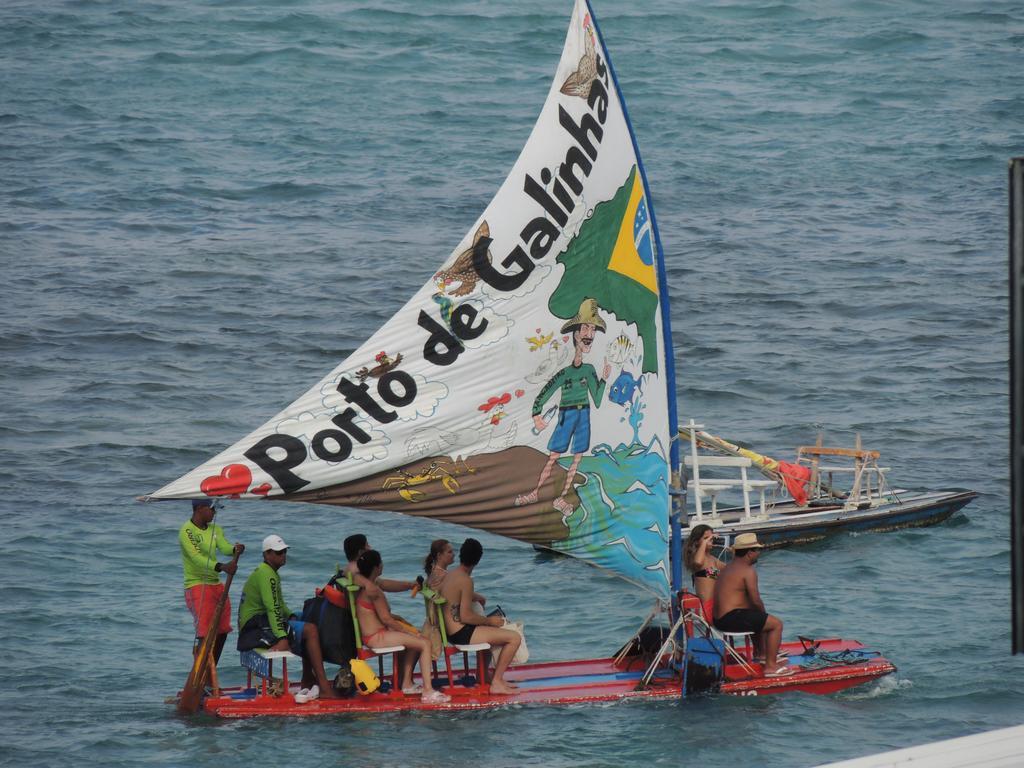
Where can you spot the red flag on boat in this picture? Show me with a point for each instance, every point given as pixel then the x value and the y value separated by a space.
pixel 795 476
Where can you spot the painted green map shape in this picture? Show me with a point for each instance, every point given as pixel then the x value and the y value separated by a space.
pixel 587 276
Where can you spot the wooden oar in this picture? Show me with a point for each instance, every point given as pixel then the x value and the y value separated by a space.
pixel 192 693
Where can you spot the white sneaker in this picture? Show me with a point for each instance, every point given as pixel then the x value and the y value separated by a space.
pixel 307 694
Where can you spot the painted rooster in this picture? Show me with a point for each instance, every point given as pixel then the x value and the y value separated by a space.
pixel 384 364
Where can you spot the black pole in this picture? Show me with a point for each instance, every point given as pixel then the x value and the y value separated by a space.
pixel 1017 399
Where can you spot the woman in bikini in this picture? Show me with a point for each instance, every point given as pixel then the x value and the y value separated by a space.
pixel 436 566
pixel 381 629
pixel 702 565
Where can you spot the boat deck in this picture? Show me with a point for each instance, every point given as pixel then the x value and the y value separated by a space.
pixel 570 682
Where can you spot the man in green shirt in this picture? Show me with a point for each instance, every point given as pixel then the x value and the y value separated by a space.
pixel 577 384
pixel 265 621
pixel 200 540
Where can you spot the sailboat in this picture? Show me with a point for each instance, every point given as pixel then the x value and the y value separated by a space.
pixel 527 389
pixel 809 499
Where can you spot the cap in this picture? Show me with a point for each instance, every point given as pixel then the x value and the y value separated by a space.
pixel 197 503
pixel 746 541
pixel 274 542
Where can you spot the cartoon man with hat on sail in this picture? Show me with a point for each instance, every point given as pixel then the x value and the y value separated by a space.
pixel 578 384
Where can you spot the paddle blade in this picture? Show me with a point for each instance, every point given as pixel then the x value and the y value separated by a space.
pixel 192 694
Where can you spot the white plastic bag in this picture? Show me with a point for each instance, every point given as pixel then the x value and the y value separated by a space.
pixel 523 653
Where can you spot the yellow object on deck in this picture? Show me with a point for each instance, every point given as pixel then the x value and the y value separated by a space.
pixel 366 681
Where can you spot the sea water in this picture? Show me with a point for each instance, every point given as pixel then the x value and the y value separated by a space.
pixel 206 205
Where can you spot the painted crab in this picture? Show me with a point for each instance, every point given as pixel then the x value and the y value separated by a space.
pixel 404 482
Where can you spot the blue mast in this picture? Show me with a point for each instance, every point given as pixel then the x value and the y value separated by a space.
pixel 676 489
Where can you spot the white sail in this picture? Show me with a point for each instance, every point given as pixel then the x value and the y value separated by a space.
pixel 522 390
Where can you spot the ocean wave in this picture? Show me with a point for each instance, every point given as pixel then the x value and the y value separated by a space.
pixel 884 687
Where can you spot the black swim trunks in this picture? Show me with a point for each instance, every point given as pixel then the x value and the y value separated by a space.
pixel 742 620
pixel 463 637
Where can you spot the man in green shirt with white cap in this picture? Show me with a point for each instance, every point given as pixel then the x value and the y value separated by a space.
pixel 265 621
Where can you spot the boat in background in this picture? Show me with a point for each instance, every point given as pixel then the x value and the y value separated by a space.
pixel 475 404
pixel 1003 748
pixel 803 502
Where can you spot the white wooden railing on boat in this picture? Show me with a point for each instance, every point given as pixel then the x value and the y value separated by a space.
pixel 711 487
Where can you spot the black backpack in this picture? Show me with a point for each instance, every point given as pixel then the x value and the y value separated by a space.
pixel 334 623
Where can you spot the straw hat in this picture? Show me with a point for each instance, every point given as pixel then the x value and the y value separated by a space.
pixel 587 315
pixel 746 541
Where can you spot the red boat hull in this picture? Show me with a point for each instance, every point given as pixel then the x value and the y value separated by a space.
pixel 565 682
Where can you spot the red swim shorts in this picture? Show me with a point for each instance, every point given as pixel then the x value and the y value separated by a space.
pixel 201 601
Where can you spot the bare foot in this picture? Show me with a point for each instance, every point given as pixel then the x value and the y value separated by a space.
pixel 328 692
pixel 503 689
pixel 526 498
pixel 563 506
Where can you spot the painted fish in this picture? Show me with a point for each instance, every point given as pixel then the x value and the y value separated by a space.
pixel 623 388
pixel 619 349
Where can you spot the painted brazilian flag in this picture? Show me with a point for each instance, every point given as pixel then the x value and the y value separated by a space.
pixel 612 260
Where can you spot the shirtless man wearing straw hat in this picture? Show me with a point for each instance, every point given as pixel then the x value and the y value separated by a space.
pixel 739 608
